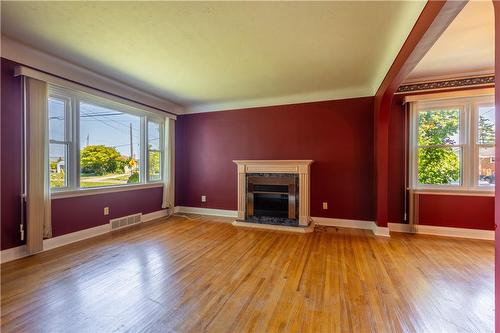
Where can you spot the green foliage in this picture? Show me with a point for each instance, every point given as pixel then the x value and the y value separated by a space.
pixel 154 164
pixel 437 127
pixel 100 160
pixel 57 179
pixel 438 165
pixel 134 178
pixel 486 131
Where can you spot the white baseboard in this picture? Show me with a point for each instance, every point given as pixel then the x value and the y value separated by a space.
pixel 154 215
pixel 400 227
pixel 381 231
pixel 444 231
pixel 52 243
pixel 13 253
pixel 331 222
pixel 206 211
pixel 355 224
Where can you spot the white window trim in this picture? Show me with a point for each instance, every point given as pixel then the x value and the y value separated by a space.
pixel 72 165
pixel 102 190
pixel 161 148
pixel 468 140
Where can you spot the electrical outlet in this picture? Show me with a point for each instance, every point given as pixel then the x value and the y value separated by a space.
pixel 325 205
pixel 203 198
pixel 106 210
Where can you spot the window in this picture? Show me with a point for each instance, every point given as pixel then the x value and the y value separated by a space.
pixel 453 144
pixel 97 143
pixel 59 140
pixel 485 148
pixel 155 153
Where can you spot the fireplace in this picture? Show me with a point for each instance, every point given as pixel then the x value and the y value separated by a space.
pixel 272 198
pixel 274 194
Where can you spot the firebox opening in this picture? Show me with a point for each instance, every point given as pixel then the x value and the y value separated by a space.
pixel 271 204
pixel 272 198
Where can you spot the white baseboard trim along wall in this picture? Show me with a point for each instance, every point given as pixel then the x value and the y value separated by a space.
pixel 367 225
pixel 206 211
pixel 51 243
pixel 444 231
pixel 48 244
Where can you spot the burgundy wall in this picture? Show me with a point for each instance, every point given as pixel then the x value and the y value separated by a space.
pixel 11 114
pixel 78 213
pixel 337 135
pixel 459 211
pixel 397 146
pixel 70 214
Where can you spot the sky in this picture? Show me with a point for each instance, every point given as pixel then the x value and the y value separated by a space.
pixel 100 126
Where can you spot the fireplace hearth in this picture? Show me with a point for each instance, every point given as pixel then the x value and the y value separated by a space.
pixel 272 198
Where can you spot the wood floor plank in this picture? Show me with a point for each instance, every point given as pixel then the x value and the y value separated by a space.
pixel 203 275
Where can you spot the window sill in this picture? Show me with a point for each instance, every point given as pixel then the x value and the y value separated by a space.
pixel 102 190
pixel 447 191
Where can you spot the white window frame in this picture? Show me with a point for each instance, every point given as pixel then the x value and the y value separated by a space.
pixel 468 134
pixel 68 138
pixel 72 130
pixel 161 148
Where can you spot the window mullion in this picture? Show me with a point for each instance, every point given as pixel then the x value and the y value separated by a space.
pixel 144 150
pixel 474 161
pixel 75 158
pixel 465 139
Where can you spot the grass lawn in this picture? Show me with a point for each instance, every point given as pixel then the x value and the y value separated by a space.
pixel 57 180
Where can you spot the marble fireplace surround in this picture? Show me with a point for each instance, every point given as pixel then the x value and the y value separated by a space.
pixel 299 167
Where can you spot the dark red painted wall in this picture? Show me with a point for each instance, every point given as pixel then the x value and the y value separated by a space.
pixel 458 211
pixel 78 213
pixel 70 214
pixel 337 135
pixel 11 114
pixel 397 146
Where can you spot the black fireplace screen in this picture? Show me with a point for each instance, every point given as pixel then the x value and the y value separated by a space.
pixel 270 204
pixel 272 198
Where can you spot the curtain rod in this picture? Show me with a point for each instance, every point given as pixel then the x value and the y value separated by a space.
pixel 67 83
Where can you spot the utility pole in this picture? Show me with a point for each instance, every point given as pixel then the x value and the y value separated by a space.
pixel 87 139
pixel 131 143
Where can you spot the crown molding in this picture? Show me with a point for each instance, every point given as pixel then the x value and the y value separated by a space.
pixel 457 83
pixel 28 56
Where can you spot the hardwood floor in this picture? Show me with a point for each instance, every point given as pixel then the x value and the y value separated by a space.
pixel 202 275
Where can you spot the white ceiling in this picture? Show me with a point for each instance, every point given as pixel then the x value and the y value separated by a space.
pixel 467 47
pixel 221 55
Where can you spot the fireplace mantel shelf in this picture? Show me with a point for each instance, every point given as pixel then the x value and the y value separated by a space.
pixel 273 166
pixel 273 161
pixel 299 167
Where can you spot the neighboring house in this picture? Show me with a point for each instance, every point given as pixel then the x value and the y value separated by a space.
pixel 487 162
pixel 60 167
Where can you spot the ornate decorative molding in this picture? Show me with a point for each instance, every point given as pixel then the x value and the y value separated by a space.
pixel 448 84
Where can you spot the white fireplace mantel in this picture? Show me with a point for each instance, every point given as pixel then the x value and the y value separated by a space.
pixel 300 167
